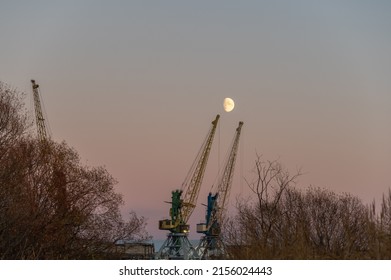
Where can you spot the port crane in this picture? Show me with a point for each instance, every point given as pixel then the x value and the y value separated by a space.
pixel 210 246
pixel 39 119
pixel 183 202
pixel 59 177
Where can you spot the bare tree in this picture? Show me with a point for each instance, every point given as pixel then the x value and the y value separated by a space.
pixel 339 225
pixel 383 221
pixel 13 120
pixel 258 221
pixel 51 205
pixel 281 222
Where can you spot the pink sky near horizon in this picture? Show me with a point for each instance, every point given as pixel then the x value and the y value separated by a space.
pixel 133 86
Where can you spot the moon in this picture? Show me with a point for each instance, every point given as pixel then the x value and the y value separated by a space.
pixel 228 104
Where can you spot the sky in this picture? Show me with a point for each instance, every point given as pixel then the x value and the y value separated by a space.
pixel 134 85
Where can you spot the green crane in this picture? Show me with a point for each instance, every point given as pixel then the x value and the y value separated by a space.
pixel 177 246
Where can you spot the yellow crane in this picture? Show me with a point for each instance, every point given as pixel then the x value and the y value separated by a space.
pixel 210 245
pixel 177 246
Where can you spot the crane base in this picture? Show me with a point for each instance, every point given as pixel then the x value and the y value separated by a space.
pixel 177 247
pixel 211 248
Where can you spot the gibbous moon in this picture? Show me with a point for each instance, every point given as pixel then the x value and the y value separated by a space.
pixel 228 104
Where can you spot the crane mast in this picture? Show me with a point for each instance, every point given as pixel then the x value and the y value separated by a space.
pixel 193 187
pixel 59 180
pixel 39 119
pixel 177 246
pixel 210 245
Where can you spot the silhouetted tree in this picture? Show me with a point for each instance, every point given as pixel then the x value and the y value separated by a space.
pixel 258 225
pixel 13 118
pixel 282 222
pixel 52 206
pixel 384 228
